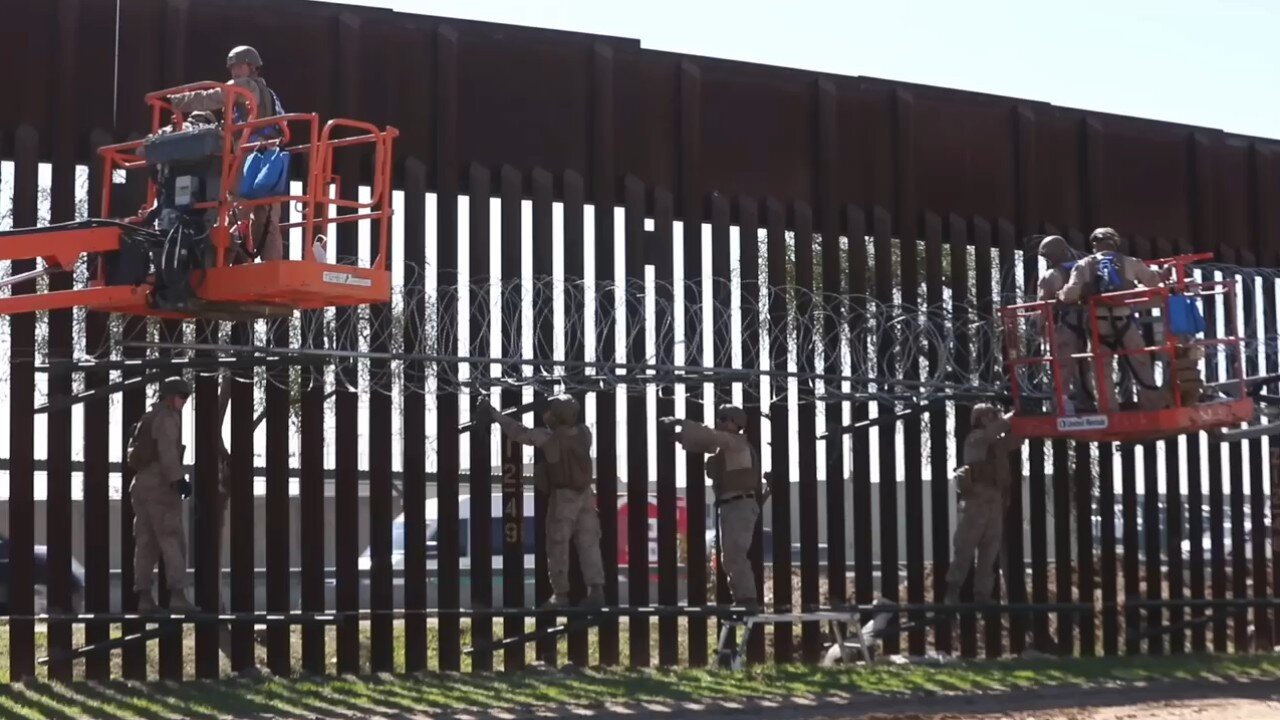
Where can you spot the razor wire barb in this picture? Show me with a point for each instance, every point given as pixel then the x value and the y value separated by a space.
pixel 579 335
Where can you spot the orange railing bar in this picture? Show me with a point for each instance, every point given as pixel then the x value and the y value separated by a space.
pixel 319 152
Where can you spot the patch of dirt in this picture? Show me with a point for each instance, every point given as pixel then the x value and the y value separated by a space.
pixel 1234 709
pixel 1159 701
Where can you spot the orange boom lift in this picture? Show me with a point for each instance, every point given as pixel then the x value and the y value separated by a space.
pixel 1224 405
pixel 188 253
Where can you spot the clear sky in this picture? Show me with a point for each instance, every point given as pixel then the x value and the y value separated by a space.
pixel 1212 64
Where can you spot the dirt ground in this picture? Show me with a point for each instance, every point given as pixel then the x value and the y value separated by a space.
pixel 1254 701
pixel 1181 710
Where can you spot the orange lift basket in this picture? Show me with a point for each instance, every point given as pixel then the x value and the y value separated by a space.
pixel 1109 422
pixel 188 254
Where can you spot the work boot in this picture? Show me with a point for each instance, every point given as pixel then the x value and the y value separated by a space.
pixel 594 599
pixel 146 604
pixel 557 602
pixel 178 602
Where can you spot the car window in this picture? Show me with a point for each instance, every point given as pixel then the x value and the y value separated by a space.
pixel 397 538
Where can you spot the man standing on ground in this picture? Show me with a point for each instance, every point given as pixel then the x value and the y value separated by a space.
pixel 566 474
pixel 157 491
pixel 735 475
pixel 984 483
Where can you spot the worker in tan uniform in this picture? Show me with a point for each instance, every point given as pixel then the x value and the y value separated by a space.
pixel 156 493
pixel 244 63
pixel 1070 331
pixel 734 469
pixel 566 474
pixel 1110 270
pixel 984 483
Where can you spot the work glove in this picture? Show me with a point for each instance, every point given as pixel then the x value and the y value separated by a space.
pixel 182 487
pixel 484 412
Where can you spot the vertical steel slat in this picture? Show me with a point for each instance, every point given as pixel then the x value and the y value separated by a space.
pixel 346 493
pixel 97 458
pixel 912 454
pixel 314 534
pixel 859 272
pixel 279 396
pixel 691 212
pixel 1215 326
pixel 962 301
pixel 448 286
pixel 134 403
pixel 1082 478
pixel 544 347
pixel 381 592
pixel 669 570
pixel 480 483
pixel 171 646
pixel 575 345
pixel 720 357
pixel 637 422
pixel 886 432
pixel 984 291
pixel 60 339
pixel 780 437
pixel 59 439
pixel 749 273
pixel 512 309
pixel 1235 322
pixel 242 518
pixel 806 429
pixel 414 423
pixel 939 472
pixel 1014 570
pixel 826 161
pixel 603 193
pixel 1175 469
pixel 22 340
pixel 1145 248
pixel 205 550
pixel 1195 510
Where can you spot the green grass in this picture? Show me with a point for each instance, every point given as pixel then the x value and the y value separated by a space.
pixel 365 642
pixel 439 692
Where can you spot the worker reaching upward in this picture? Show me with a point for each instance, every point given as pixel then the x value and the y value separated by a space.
pixel 244 64
pixel 734 469
pixel 1107 270
pixel 566 475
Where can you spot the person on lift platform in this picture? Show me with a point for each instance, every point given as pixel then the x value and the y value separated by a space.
pixel 1109 270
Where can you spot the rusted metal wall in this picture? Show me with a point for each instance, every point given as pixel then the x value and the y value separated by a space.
pixel 561 101
pixel 489 111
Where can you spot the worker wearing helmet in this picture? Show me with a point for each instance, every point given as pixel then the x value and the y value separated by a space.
pixel 566 474
pixel 984 483
pixel 156 493
pixel 1107 270
pixel 734 469
pixel 244 64
pixel 1070 331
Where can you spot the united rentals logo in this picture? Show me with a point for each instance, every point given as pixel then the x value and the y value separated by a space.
pixel 1082 422
pixel 339 278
